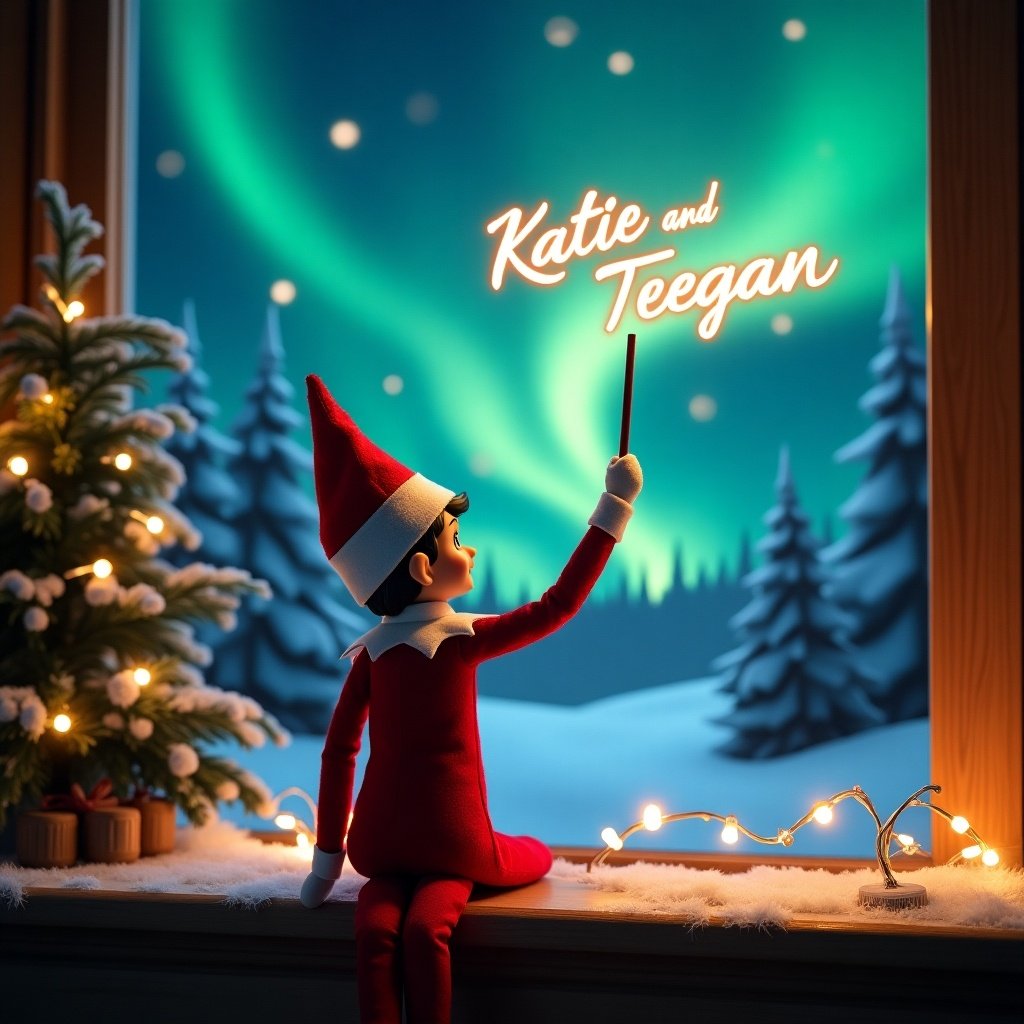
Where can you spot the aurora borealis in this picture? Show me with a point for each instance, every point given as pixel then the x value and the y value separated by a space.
pixel 466 109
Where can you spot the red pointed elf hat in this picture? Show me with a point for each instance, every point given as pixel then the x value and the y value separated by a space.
pixel 372 508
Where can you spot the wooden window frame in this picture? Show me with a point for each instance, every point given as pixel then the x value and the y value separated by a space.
pixel 65 104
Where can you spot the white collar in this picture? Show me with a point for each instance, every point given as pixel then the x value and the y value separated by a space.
pixel 424 626
pixel 421 611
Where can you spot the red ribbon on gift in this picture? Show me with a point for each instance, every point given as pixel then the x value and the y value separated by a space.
pixel 101 795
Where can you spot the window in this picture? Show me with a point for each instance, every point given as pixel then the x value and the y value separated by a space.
pixel 963 466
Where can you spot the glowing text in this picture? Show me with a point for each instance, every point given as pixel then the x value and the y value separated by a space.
pixel 540 256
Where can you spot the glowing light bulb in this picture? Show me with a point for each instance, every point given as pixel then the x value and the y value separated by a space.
pixel 142 676
pixel 611 838
pixel 970 852
pixel 102 568
pixel 302 841
pixel 905 840
pixel 122 461
pixel 155 524
pixel 47 398
pixel 18 465
pixel 823 814
pixel 652 817
pixel 959 824
pixel 285 821
pixel 990 858
pixel 730 834
pixel 62 723
pixel 74 309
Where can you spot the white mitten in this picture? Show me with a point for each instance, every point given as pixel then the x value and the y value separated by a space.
pixel 325 871
pixel 622 479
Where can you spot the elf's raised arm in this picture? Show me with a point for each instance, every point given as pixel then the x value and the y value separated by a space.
pixel 503 633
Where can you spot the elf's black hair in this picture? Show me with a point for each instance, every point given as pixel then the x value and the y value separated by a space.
pixel 399 590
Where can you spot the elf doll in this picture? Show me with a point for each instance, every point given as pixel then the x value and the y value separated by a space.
pixel 420 832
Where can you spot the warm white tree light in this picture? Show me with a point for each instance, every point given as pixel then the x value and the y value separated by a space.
pixel 122 461
pixel 18 465
pixel 74 309
pixel 101 569
pixel 970 852
pixel 285 821
pixel 959 824
pixel 142 676
pixel 62 723
pixel 154 524
pixel 730 834
pixel 990 858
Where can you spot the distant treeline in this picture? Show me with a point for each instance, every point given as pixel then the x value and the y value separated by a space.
pixel 624 643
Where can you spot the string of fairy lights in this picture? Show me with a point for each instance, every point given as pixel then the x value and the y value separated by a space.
pixel 102 568
pixel 890 893
pixel 821 813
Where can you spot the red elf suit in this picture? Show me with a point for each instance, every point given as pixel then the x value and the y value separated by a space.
pixel 420 831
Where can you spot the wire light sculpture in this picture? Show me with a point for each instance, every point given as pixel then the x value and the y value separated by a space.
pixel 890 893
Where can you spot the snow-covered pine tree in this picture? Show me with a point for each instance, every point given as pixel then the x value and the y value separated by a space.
pixel 100 673
pixel 879 569
pixel 795 679
pixel 285 651
pixel 208 495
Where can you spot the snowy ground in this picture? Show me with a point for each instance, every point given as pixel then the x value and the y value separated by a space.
pixel 563 774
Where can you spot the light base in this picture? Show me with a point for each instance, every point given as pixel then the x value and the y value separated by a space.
pixel 907 896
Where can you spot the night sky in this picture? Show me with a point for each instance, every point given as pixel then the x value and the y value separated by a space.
pixel 464 109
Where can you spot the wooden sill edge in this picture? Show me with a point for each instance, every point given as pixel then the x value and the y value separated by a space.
pixel 494 909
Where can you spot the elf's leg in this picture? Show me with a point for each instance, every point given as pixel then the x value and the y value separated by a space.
pixel 379 914
pixel 434 910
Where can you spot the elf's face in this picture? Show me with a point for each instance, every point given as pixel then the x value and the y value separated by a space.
pixel 449 574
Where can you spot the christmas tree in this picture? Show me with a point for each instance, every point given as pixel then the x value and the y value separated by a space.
pixel 285 654
pixel 100 671
pixel 880 568
pixel 795 679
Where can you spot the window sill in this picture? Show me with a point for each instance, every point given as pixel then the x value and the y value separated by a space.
pixel 549 952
